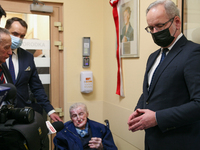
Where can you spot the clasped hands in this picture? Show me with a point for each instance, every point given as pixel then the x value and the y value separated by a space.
pixel 141 119
pixel 96 143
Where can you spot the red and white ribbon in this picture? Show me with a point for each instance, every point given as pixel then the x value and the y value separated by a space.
pixel 119 90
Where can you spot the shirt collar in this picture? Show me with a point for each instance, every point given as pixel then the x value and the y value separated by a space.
pixel 83 132
pixel 15 51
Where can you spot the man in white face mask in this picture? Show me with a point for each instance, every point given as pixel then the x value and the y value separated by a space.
pixel 24 72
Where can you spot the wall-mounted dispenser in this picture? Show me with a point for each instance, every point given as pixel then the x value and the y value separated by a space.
pixel 86 78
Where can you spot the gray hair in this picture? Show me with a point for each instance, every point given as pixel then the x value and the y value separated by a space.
pixel 3 31
pixel 169 5
pixel 75 105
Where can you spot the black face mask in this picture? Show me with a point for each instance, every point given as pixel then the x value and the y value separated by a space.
pixel 163 38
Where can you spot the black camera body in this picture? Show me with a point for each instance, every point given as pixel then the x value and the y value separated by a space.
pixel 22 136
pixel 20 115
pixel 20 128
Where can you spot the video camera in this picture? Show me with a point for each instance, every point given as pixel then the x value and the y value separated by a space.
pixel 20 128
pixel 21 115
pixel 7 112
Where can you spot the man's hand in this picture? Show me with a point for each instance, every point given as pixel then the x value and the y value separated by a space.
pixel 96 143
pixel 55 117
pixel 142 119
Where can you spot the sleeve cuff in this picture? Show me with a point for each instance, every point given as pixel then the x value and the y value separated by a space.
pixel 51 112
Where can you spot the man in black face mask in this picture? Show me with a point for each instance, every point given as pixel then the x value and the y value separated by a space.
pixel 168 109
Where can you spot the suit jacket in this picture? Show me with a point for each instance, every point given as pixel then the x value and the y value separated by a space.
pixel 28 76
pixel 7 74
pixel 128 34
pixel 68 138
pixel 175 97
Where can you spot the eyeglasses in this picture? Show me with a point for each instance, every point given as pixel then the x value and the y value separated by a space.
pixel 158 27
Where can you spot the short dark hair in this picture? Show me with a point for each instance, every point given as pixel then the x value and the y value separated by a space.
pixel 2 12
pixel 11 20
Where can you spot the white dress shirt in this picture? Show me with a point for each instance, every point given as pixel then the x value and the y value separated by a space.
pixel 151 71
pixel 15 62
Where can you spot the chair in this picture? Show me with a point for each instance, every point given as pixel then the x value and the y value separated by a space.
pixel 107 123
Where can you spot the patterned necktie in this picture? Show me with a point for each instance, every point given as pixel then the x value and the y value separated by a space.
pixel 161 59
pixel 2 80
pixel 11 69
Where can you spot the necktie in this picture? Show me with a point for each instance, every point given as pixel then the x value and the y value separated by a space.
pixel 163 55
pixel 161 59
pixel 11 69
pixel 2 81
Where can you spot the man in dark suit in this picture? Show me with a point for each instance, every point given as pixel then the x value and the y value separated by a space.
pixel 5 40
pixel 25 72
pixel 5 51
pixel 168 109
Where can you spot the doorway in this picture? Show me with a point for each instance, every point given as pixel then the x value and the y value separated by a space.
pixel 48 56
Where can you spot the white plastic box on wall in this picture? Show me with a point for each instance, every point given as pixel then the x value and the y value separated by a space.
pixel 86 78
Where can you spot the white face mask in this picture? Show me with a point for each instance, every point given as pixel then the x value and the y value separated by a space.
pixel 16 42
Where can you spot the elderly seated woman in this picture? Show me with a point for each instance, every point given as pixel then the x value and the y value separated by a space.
pixel 81 133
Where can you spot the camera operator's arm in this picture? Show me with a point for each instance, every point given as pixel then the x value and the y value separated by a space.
pixel 55 117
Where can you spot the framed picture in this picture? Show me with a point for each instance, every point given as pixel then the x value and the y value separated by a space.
pixel 129 28
pixel 191 20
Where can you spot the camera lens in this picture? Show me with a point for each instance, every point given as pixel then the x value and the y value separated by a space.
pixel 22 115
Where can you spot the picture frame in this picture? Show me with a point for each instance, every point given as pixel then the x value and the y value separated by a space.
pixel 129 28
pixel 190 20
